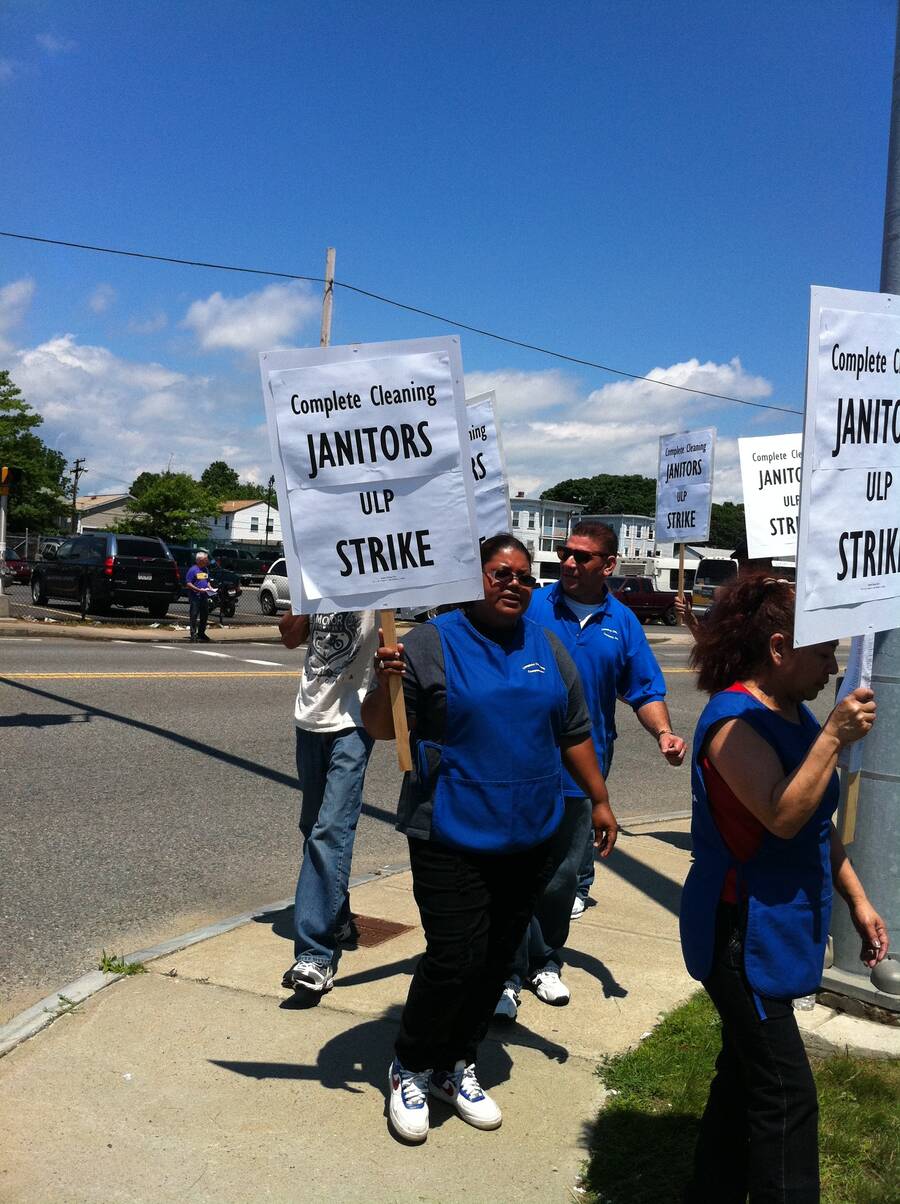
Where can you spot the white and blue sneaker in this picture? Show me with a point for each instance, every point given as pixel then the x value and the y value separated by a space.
pixel 408 1111
pixel 460 1088
pixel 508 1004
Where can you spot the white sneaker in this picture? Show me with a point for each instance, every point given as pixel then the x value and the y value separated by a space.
pixel 408 1112
pixel 508 1004
pixel 578 908
pixel 550 988
pixel 461 1088
pixel 309 976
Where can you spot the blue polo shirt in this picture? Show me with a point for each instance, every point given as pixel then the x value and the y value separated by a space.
pixel 613 657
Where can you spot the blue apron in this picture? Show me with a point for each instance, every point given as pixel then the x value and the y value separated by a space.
pixel 786 884
pixel 498 778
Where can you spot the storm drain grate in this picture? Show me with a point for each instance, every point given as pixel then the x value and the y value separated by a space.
pixel 373 931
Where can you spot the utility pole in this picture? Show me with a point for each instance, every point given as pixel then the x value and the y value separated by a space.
pixel 327 299
pixel 875 849
pixel 268 505
pixel 77 469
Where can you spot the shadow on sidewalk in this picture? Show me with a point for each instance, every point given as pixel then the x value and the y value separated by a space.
pixel 612 988
pixel 87 712
pixel 678 840
pixel 645 878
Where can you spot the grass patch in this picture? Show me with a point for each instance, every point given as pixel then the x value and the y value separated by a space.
pixel 642 1143
pixel 114 963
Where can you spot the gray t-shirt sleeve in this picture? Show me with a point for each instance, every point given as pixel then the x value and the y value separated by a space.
pixel 578 719
pixel 425 682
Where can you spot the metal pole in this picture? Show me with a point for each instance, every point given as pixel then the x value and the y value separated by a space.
pixel 875 850
pixel 4 601
pixel 268 505
pixel 328 298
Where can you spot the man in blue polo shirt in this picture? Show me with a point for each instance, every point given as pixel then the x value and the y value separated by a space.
pixel 611 652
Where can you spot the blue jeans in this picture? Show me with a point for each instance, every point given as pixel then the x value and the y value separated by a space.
pixel 548 931
pixel 586 868
pixel 331 767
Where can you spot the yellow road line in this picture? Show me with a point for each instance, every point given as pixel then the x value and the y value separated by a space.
pixel 143 676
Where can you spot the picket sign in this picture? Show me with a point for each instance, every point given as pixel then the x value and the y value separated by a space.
pixel 488 462
pixel 684 489
pixel 857 674
pixel 369 449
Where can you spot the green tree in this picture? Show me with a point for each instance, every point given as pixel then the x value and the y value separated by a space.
pixel 143 481
pixel 222 482
pixel 607 493
pixel 726 525
pixel 174 507
pixel 38 499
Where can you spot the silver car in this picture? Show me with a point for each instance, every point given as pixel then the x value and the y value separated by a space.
pixel 274 593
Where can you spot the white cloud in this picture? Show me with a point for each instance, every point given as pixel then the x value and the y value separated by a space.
pixel 52 44
pixel 255 322
pixel 152 325
pixel 102 298
pixel 15 299
pixel 520 394
pixel 613 429
pixel 125 416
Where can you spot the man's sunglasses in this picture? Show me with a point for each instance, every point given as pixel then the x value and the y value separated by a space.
pixel 504 575
pixel 580 557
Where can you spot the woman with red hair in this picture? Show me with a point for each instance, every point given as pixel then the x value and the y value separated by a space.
pixel 757 901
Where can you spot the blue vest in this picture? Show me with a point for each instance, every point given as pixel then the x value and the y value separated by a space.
pixel 499 785
pixel 787 883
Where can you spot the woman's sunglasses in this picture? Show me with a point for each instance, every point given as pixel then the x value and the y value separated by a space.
pixel 578 556
pixel 504 575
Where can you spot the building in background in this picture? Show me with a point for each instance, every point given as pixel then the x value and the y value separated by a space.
pixel 245 522
pixel 100 511
pixel 637 538
pixel 543 526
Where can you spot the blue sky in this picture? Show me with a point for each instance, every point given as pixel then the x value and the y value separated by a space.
pixel 653 186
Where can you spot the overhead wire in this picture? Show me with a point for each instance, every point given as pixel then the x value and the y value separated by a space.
pixel 414 309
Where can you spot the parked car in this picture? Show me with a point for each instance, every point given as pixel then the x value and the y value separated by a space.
pixel 185 556
pixel 274 593
pixel 20 568
pixel 103 569
pixel 50 546
pixel 251 569
pixel 641 595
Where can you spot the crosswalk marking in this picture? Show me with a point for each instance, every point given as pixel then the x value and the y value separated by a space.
pixel 249 661
pixel 209 652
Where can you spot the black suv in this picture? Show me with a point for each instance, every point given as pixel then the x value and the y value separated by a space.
pixel 101 569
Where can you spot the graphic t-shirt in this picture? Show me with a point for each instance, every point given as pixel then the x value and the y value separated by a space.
pixel 337 671
pixel 197 577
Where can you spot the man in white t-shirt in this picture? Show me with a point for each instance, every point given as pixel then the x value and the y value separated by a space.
pixel 333 750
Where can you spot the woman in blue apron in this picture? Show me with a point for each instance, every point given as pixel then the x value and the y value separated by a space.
pixel 495 707
pixel 757 901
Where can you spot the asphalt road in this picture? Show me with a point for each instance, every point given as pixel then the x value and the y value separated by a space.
pixel 150 789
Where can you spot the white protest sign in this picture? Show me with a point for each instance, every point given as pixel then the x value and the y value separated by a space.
pixel 848 557
pixel 488 467
pixel 684 486
pixel 370 447
pixel 770 472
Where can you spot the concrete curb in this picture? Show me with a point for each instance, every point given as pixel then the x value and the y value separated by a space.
pixel 42 1014
pixel 828 1033
pixel 37 629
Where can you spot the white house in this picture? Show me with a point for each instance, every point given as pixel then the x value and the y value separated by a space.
pixel 634 532
pixel 245 522
pixel 543 526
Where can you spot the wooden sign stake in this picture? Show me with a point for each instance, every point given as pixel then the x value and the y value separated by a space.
pixel 386 620
pixel 681 575
pixel 850 802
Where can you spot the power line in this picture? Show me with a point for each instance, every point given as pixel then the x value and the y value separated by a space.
pixel 413 309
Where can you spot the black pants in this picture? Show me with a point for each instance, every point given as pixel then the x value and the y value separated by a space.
pixel 199 610
pixel 759 1132
pixel 474 910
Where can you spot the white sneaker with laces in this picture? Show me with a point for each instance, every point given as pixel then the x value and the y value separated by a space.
pixel 578 908
pixel 508 1004
pixel 550 988
pixel 408 1110
pixel 309 976
pixel 461 1088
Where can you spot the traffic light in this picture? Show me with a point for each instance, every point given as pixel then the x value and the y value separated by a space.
pixel 8 476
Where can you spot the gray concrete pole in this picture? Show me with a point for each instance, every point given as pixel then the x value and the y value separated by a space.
pixel 875 851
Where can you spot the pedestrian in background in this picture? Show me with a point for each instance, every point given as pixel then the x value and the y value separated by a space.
pixel 757 901
pixel 200 591
pixel 610 651
pixel 332 754
pixel 495 707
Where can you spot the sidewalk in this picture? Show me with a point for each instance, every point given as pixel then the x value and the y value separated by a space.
pixel 203 1080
